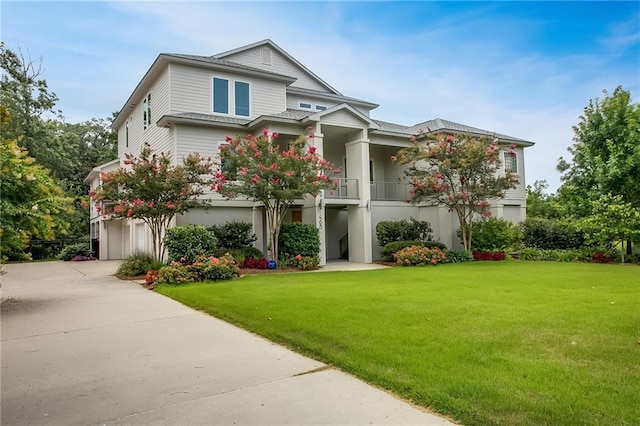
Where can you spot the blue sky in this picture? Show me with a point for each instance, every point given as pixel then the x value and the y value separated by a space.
pixel 526 69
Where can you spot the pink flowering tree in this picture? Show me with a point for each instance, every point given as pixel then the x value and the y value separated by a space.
pixel 151 189
pixel 458 171
pixel 260 169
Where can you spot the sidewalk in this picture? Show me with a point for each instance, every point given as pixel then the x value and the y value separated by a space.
pixel 80 346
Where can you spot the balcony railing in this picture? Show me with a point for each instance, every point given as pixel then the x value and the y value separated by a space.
pixel 390 191
pixel 346 189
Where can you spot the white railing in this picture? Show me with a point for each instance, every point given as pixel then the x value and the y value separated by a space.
pixel 347 188
pixel 390 191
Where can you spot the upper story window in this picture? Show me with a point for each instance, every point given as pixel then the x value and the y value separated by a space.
pixel 228 97
pixel 126 133
pixel 304 105
pixel 146 112
pixel 320 107
pixel 511 162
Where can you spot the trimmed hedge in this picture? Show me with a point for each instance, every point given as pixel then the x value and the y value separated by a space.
pixel 389 231
pixel 550 234
pixel 233 235
pixel 298 239
pixel 186 242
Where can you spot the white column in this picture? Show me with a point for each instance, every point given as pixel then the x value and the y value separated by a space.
pixel 359 216
pixel 313 208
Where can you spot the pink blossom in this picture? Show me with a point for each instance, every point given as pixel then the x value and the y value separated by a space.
pixel 274 135
pixel 129 213
pixel 265 132
pixel 438 176
pixel 312 150
pixel 274 166
pixel 299 257
pixel 255 179
pixel 170 205
pixel 98 209
pixel 151 204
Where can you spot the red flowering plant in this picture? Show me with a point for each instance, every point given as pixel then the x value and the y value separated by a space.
pixel 261 169
pixel 151 188
pixel 419 255
pixel 458 171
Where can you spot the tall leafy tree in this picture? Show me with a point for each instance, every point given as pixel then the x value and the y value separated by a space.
pixel 152 189
pixel 259 169
pixel 30 200
pixel 605 154
pixel 542 204
pixel 458 171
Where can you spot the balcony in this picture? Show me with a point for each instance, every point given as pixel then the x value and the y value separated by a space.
pixel 390 191
pixel 346 189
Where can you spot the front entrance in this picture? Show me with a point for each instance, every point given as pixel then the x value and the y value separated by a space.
pixel 337 232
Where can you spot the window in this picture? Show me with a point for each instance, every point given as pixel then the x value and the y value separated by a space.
pixel 225 95
pixel 146 112
pixel 126 134
pixel 511 162
pixel 305 105
pixel 320 107
pixel 221 95
pixel 370 171
pixel 242 98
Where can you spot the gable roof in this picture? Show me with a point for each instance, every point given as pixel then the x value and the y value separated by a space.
pixel 317 116
pixel 271 44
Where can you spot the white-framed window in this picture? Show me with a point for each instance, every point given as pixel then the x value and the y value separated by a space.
pixel 305 105
pixel 234 97
pixel 126 133
pixel 146 112
pixel 320 107
pixel 511 162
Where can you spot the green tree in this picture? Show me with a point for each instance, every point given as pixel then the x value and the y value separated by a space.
pixel 153 190
pixel 458 171
pixel 605 154
pixel 258 169
pixel 30 200
pixel 542 204
pixel 612 222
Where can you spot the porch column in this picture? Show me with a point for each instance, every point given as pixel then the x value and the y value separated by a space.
pixel 313 208
pixel 359 216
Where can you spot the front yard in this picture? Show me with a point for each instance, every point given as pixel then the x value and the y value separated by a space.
pixel 483 342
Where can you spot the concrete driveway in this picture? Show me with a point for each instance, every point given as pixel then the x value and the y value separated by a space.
pixel 81 347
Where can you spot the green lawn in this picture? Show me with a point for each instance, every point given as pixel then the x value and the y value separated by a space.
pixel 485 342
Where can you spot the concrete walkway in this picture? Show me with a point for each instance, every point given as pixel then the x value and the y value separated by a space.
pixel 81 347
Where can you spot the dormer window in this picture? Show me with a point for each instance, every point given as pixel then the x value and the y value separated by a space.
pixel 225 93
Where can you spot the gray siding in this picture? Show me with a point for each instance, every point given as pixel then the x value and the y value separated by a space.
pixel 343 118
pixel 191 92
pixel 199 139
pixel 279 64
pixel 160 138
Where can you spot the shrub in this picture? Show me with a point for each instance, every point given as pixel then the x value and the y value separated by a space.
pixel 489 255
pixel 304 263
pixel 494 234
pixel 392 248
pixel 233 235
pixel 151 277
pixel 252 252
pixel 213 268
pixel 186 242
pixel 458 256
pixel 174 273
pixel 253 263
pixel 550 234
pixel 298 238
pixel 389 231
pixel 419 255
pixel 600 257
pixel 567 255
pixel 73 250
pixel 137 264
pixel 82 258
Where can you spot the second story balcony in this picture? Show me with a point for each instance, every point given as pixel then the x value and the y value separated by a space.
pixel 390 191
pixel 346 189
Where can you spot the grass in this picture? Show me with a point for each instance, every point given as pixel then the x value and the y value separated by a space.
pixel 484 343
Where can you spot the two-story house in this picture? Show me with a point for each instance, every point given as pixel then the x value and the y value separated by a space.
pixel 187 103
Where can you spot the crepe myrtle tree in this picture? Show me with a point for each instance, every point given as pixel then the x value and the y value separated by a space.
pixel 458 171
pixel 153 190
pixel 259 169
